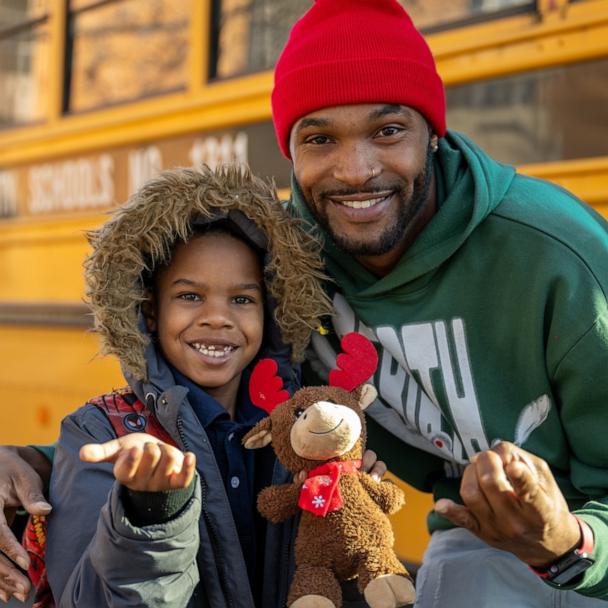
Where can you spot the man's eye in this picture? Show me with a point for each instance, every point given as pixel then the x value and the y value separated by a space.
pixel 318 140
pixel 388 131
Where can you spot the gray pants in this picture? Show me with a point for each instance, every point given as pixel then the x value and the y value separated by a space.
pixel 461 571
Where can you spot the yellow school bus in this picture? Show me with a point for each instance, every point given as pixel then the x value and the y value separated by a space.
pixel 97 96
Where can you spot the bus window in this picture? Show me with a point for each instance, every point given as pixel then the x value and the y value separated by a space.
pixel 24 41
pixel 431 14
pixel 152 34
pixel 251 33
pixel 546 115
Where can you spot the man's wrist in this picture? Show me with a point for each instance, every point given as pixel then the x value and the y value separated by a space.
pixel 568 567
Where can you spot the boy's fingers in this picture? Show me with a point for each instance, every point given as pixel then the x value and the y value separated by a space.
pixel 183 478
pixel 126 465
pixel 101 452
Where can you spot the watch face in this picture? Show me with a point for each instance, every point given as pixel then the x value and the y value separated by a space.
pixel 572 571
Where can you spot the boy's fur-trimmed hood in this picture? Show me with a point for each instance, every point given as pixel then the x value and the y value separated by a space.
pixel 141 234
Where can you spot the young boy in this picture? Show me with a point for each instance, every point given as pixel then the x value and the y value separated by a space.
pixel 198 276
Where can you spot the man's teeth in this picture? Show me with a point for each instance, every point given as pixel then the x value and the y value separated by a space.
pixel 370 202
pixel 213 350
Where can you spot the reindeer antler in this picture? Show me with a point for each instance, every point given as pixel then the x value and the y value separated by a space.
pixel 357 363
pixel 266 387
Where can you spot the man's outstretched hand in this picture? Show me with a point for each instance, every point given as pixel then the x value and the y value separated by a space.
pixel 512 502
pixel 24 472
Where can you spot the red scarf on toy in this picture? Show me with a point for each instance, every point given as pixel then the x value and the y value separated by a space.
pixel 320 493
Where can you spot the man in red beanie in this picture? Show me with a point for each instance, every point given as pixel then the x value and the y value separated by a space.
pixel 485 294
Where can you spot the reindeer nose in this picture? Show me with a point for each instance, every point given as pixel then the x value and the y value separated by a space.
pixel 323 415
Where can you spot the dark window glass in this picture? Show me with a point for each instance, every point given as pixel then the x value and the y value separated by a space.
pixel 123 50
pixel 546 115
pixel 24 54
pixel 252 33
pixel 439 13
pixel 249 34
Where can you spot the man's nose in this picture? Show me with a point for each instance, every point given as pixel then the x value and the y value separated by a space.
pixel 355 165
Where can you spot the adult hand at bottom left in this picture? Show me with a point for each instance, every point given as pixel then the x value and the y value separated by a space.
pixel 512 502
pixel 23 474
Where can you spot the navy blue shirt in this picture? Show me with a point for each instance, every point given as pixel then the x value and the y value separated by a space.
pixel 245 472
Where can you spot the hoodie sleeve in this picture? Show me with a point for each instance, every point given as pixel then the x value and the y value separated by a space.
pixel 583 390
pixel 94 555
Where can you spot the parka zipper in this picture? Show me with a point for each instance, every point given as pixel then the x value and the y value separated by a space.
pixel 209 523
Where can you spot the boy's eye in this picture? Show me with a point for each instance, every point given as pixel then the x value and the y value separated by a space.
pixel 243 300
pixel 188 297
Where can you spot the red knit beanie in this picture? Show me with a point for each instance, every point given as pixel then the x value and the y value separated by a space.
pixel 354 51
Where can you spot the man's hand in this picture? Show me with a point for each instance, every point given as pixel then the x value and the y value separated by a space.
pixel 144 463
pixel 512 502
pixel 24 472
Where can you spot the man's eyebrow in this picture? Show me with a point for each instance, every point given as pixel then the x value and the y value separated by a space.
pixel 312 122
pixel 390 108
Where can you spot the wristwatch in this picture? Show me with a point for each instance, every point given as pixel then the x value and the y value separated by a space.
pixel 571 565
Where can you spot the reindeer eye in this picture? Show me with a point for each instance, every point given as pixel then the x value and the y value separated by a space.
pixel 298 412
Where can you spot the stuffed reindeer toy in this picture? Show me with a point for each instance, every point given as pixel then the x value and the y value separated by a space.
pixel 319 436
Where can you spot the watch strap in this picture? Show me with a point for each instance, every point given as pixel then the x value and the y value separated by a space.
pixel 581 553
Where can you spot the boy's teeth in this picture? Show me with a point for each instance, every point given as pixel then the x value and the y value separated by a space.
pixel 363 204
pixel 213 350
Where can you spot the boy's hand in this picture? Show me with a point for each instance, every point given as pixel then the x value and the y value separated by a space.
pixel 144 463
pixel 512 502
pixel 370 464
pixel 376 468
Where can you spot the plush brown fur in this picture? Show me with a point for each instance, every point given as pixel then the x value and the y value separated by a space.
pixel 354 541
pixel 140 236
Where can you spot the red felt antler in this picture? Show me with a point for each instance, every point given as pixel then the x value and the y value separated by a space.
pixel 266 387
pixel 356 364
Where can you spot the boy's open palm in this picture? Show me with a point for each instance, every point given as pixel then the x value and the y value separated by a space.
pixel 144 463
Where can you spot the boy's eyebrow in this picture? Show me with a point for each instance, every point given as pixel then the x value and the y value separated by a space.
pixel 243 286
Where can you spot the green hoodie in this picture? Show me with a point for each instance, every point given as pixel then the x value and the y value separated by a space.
pixel 493 325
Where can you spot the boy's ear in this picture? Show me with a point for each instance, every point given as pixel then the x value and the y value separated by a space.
pixel 148 309
pixel 259 436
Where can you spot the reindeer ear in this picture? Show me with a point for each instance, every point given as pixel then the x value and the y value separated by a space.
pixel 259 436
pixel 367 395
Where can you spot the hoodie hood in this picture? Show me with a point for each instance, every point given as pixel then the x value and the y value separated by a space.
pixel 141 235
pixel 470 185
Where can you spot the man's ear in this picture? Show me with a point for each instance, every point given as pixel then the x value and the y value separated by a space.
pixel 148 309
pixel 367 394
pixel 259 436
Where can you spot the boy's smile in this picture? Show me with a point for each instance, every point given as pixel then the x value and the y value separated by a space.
pixel 210 312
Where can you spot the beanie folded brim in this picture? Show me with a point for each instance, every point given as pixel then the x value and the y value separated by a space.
pixel 387 80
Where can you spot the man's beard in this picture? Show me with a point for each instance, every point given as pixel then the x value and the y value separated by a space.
pixel 393 234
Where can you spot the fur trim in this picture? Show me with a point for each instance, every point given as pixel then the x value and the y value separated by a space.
pixel 140 236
